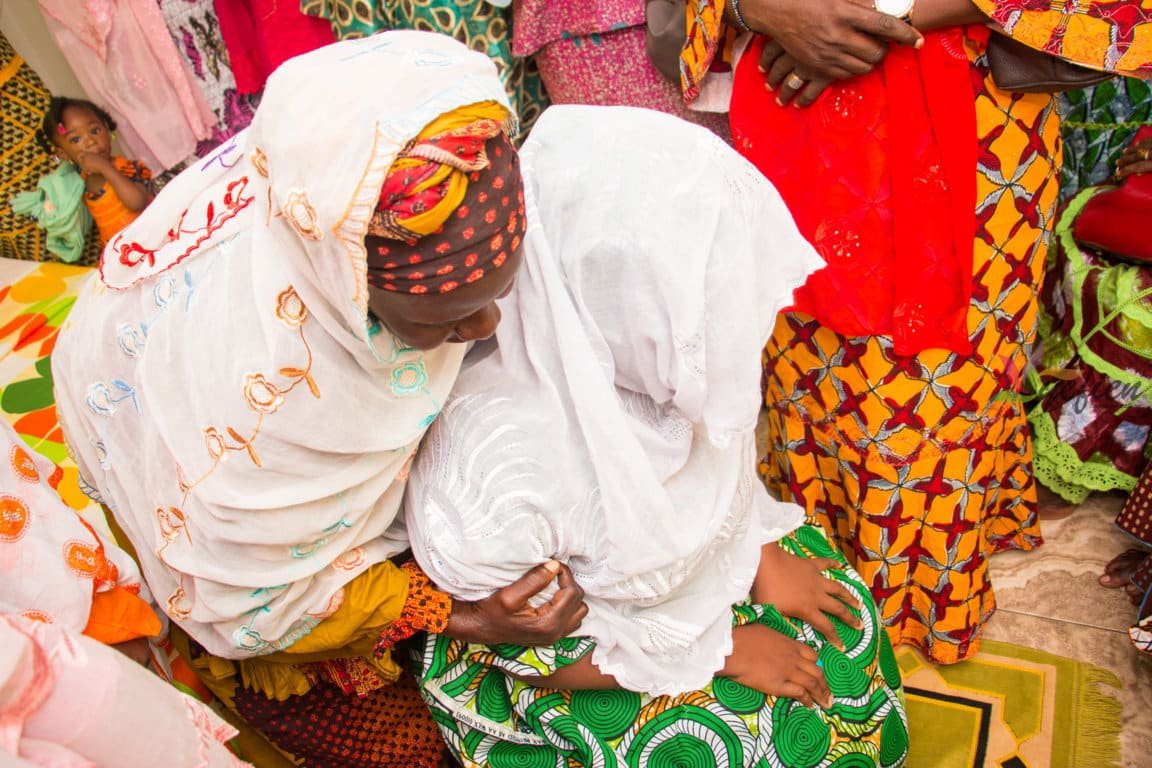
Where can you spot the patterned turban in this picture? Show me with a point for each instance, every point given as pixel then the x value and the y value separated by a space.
pixel 451 207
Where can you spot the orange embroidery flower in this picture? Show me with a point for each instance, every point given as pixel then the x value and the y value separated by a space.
pixel 330 607
pixel 13 518
pixel 214 442
pixel 175 607
pixel 171 522
pixel 290 308
pixel 36 615
pixel 262 395
pixel 259 161
pixel 23 465
pixel 301 215
pixel 350 560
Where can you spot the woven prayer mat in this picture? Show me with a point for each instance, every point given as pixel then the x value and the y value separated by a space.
pixel 1011 707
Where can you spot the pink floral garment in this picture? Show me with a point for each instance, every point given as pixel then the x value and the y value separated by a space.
pixel 127 63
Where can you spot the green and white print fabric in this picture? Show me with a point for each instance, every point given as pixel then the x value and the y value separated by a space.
pixel 490 719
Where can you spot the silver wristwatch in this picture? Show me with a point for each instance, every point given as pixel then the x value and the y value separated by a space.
pixel 901 9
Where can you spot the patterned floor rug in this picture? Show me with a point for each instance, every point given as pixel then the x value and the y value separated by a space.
pixel 1011 707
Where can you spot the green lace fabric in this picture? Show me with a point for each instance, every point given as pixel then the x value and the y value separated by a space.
pixel 489 718
pixel 1092 416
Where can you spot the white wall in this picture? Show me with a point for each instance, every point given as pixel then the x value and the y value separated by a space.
pixel 23 25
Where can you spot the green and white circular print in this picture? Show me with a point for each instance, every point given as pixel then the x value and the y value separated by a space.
pixel 492 720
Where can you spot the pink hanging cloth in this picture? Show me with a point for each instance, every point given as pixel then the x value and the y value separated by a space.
pixel 262 34
pixel 127 63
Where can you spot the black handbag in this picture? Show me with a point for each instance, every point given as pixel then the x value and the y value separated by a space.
pixel 1020 69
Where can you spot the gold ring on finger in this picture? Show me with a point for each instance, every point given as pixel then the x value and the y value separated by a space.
pixel 795 82
pixel 1144 153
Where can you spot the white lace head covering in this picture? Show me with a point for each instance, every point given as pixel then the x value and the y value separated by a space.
pixel 221 386
pixel 612 424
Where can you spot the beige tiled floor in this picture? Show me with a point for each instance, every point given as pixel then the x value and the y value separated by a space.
pixel 1049 599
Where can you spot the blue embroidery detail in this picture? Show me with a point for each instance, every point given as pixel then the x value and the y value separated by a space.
pixel 131 338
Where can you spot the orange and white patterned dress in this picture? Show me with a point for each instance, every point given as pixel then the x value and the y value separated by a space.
pixel 920 465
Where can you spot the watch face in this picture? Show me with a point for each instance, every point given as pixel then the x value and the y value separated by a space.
pixel 898 8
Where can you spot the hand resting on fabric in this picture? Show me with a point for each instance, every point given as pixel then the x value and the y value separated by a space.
pixel 761 658
pixel 832 40
pixel 507 617
pixel 799 589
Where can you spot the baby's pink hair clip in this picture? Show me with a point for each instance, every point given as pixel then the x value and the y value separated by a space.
pixel 60 129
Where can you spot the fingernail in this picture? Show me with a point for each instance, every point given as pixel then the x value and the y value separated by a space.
pixel 769 87
pixel 779 103
pixel 761 68
pixel 919 44
pixel 552 566
pixel 840 647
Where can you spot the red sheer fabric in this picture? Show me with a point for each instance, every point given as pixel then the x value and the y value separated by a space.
pixel 880 175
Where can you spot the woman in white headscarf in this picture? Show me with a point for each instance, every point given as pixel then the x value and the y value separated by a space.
pixel 609 425
pixel 246 383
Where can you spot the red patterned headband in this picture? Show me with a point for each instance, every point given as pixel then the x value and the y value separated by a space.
pixel 478 237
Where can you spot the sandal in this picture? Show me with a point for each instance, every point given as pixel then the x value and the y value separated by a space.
pixel 1120 569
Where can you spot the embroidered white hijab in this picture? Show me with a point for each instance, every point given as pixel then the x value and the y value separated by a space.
pixel 611 425
pixel 220 384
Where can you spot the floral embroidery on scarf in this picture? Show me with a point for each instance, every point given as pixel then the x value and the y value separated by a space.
pixel 350 560
pixel 134 255
pixel 175 604
pixel 100 399
pixel 259 161
pixel 409 378
pixel 301 551
pixel 301 215
pixel 290 308
pixel 263 395
pixel 171 522
pixel 130 339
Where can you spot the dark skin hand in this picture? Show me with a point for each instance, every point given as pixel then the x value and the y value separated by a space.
pixel 762 658
pixel 832 40
pixel 1135 160
pixel 506 616
pixel 778 60
pixel 799 589
pixel 87 142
